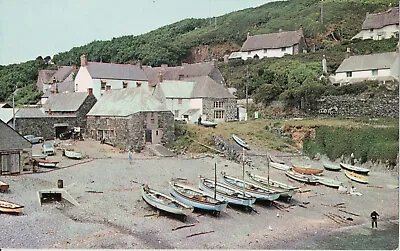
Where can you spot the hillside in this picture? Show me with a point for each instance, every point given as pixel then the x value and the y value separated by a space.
pixel 192 40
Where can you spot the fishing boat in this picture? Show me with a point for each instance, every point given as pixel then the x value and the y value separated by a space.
pixel 331 167
pixel 39 156
pixel 356 177
pixel 45 163
pixel 355 169
pixel 206 123
pixel 240 142
pixel 3 186
pixel 329 182
pixel 279 166
pixel 10 207
pixel 302 177
pixel 165 202
pixel 72 154
pixel 254 190
pixel 275 159
pixel 224 192
pixel 308 171
pixel 196 198
pixel 286 191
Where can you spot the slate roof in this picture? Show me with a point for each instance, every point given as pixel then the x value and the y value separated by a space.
pixel 177 89
pixel 12 140
pixel 63 87
pixel 382 19
pixel 116 71
pixel 368 62
pixel 128 101
pixel 182 72
pixel 30 113
pixel 65 102
pixel 46 76
pixel 63 72
pixel 272 40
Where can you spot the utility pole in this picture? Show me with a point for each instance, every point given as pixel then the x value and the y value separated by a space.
pixel 13 104
pixel 247 96
pixel 322 12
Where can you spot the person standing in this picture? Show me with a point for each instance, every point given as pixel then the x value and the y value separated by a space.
pixel 374 218
pixel 199 120
pixel 130 156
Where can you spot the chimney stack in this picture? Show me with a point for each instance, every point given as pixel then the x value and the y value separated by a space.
pixel 90 91
pixel 164 66
pixel 347 52
pixel 83 60
pixel 139 64
pixel 160 76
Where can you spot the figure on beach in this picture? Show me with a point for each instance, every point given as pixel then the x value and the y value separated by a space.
pixel 199 120
pixel 352 159
pixel 374 218
pixel 130 156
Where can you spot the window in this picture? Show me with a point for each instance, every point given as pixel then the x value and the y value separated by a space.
pixel 108 87
pixel 371 30
pixel 103 85
pixel 218 104
pixel 218 114
pixel 349 74
pixel 283 49
pixel 180 76
pixel 265 50
pixel 374 72
pixel 179 101
pixel 157 132
pixel 249 52
pixel 124 84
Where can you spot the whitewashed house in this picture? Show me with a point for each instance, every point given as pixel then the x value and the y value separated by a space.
pixel 272 45
pixel 381 25
pixel 100 77
pixel 382 67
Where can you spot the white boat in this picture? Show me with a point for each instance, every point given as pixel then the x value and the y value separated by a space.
pixel 72 154
pixel 328 182
pixel 356 177
pixel 224 192
pixel 165 202
pixel 279 166
pixel 240 142
pixel 208 124
pixel 10 207
pixel 354 168
pixel 275 159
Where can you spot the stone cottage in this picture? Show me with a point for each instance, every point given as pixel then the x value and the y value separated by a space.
pixel 132 117
pixel 48 78
pixel 60 112
pixel 14 150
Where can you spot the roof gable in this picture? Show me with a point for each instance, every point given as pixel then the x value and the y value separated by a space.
pixel 206 87
pixel 128 101
pixel 177 89
pixel 65 102
pixel 272 40
pixel 368 62
pixel 382 19
pixel 10 139
pixel 115 71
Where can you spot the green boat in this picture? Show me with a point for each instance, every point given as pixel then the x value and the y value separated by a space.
pixel 329 182
pixel 331 167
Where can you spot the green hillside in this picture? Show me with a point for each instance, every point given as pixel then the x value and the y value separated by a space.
pixel 174 43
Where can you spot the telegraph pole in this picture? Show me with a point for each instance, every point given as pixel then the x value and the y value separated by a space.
pixel 322 12
pixel 247 96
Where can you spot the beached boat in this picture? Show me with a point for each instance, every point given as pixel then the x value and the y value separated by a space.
pixel 254 190
pixel 208 124
pixel 3 186
pixel 72 154
pixel 329 182
pixel 45 163
pixel 275 159
pixel 279 166
pixel 356 177
pixel 10 207
pixel 302 177
pixel 308 171
pixel 224 192
pixel 196 198
pixel 286 191
pixel 240 142
pixel 354 168
pixel 331 167
pixel 165 202
pixel 39 156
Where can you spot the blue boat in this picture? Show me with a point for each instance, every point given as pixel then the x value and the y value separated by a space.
pixel 196 198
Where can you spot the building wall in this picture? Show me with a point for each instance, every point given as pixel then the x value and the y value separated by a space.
pixel 342 76
pixel 113 84
pixel 268 53
pixel 229 108
pixel 378 34
pixel 83 80
pixel 129 132
pixel 178 109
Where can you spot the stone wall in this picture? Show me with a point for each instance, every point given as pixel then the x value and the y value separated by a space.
pixel 355 106
pixel 231 151
pixel 229 108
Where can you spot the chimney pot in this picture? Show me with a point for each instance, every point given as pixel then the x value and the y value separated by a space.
pixel 160 76
pixel 90 91
pixel 83 60
pixel 139 64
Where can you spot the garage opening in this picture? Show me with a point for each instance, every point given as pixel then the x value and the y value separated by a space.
pixel 60 128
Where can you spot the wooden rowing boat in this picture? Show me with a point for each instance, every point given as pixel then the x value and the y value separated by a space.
pixel 286 191
pixel 254 190
pixel 308 171
pixel 208 124
pixel 329 182
pixel 240 142
pixel 39 156
pixel 356 177
pixel 45 163
pixel 276 160
pixel 3 186
pixel 309 179
pixel 10 207
pixel 196 198
pixel 355 169
pixel 72 154
pixel 165 202
pixel 279 166
pixel 331 167
pixel 224 192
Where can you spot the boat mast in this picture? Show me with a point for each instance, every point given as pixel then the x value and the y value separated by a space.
pixel 243 173
pixel 215 181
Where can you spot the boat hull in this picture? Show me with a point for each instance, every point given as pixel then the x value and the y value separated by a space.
pixel 301 177
pixel 279 166
pixel 356 177
pixel 10 207
pixel 329 182
pixel 73 155
pixel 307 171
pixel 197 199
pixel 226 193
pixel 331 167
pixel 3 186
pixel 164 202
pixel 240 142
pixel 208 124
pixel 355 169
